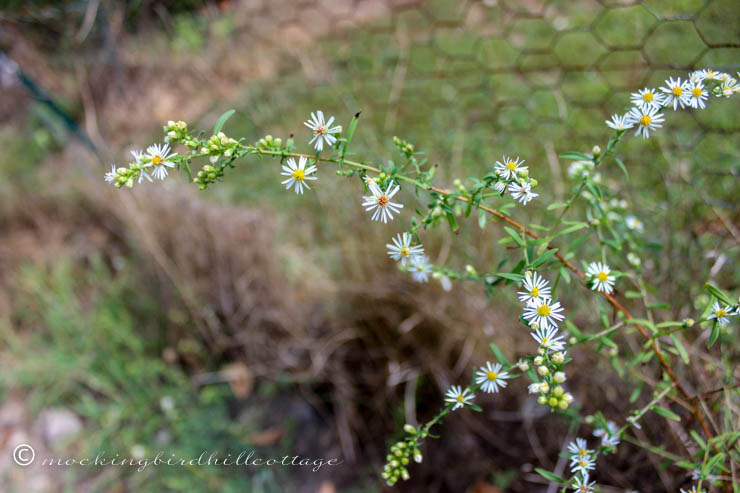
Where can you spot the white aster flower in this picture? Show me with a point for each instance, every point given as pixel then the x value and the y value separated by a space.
pixel 608 436
pixel 633 223
pixel 491 377
pixel 545 313
pixel 401 249
pixel 645 98
pixel 380 202
pixel 549 339
pixel 582 464
pixel 322 130
pixel 676 94
pixel 697 95
pixel 620 122
pixel 419 268
pixel 721 313
pixel 455 395
pixel 535 288
pixel 579 449
pixel 297 174
pixel 729 87
pixel 110 176
pixel 646 119
pixel 159 157
pixel 581 484
pixel 509 168
pixel 708 74
pixel 599 275
pixel 523 193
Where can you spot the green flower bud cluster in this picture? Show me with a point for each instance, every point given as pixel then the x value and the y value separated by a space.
pixel 401 454
pixel 404 146
pixel 550 369
pixel 127 176
pixel 219 145
pixel 178 132
pixel 269 142
pixel 208 174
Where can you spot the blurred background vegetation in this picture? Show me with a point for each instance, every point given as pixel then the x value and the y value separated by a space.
pixel 246 317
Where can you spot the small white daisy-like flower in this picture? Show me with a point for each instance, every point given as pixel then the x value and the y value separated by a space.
pixel 160 159
pixel 646 119
pixel 545 313
pixel 582 464
pixel 110 176
pixel 676 94
pixel 708 74
pixel 297 174
pixel 380 202
pixel 721 313
pixel 694 489
pixel 491 377
pixel 534 388
pixel 729 87
pixel 601 280
pixel 535 288
pixel 620 122
pixel 581 484
pixel 633 223
pixel 419 268
pixel 455 395
pixel 322 130
pixel 523 193
pixel 509 168
pixel 697 95
pixel 500 186
pixel 402 250
pixel 608 436
pixel 645 98
pixel 549 339
pixel 579 448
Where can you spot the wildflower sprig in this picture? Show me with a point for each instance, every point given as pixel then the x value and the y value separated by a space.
pixel 606 218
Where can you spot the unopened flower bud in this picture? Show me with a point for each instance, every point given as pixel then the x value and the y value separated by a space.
pixel 542 400
pixel 558 390
pixel 409 428
pixel 542 370
pixel 572 341
pixel 538 360
pixel 559 377
pixel 558 357
pixel 596 151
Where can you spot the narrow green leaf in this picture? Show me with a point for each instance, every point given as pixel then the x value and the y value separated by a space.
pixel 681 350
pixel 576 156
pixel 221 120
pixel 718 293
pixel 512 277
pixel 714 335
pixel 549 476
pixel 544 257
pixel 556 205
pixel 482 217
pixel 667 413
pixel 515 236
pixel 499 354
pixel 622 167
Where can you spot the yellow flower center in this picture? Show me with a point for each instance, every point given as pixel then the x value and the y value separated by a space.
pixel 721 312
pixel 543 310
pixel 404 251
pixel 157 160
pixel 544 341
pixel 535 291
pixel 645 120
pixel 696 92
pixel 648 97
pixel 583 488
pixel 511 165
pixel 582 453
pixel 602 276
pixel 299 175
pixel 383 200
pixel 320 130
pixel 460 399
pixel 492 375
pixel 677 91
